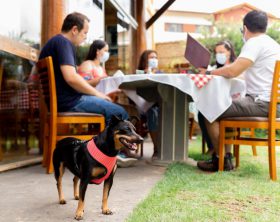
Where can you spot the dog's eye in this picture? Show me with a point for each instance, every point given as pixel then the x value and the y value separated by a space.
pixel 125 129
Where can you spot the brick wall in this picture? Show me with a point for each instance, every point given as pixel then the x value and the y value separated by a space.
pixel 170 54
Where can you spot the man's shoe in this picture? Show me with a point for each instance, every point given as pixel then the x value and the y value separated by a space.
pixel 124 161
pixel 209 165
pixel 212 165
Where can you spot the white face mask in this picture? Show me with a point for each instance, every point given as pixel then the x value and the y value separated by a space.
pixel 221 58
pixel 105 57
pixel 153 63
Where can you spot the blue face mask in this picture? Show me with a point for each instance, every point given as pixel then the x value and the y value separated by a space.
pixel 105 57
pixel 221 58
pixel 153 63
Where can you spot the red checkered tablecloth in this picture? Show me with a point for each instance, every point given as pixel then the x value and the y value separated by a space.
pixel 20 99
pixel 200 79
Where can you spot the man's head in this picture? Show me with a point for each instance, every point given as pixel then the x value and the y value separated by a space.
pixel 75 27
pixel 255 21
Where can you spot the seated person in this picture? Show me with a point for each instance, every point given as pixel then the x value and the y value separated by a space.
pixel 93 71
pixel 224 54
pixel 257 61
pixel 149 64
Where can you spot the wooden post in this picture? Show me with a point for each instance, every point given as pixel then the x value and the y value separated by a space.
pixel 138 43
pixel 53 13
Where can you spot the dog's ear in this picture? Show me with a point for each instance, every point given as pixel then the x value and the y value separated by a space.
pixel 134 119
pixel 114 120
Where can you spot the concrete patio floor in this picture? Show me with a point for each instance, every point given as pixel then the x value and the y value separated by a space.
pixel 30 195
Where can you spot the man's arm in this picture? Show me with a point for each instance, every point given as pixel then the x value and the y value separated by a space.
pixel 234 69
pixel 78 83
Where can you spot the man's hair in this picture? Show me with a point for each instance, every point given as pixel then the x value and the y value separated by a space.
pixel 74 19
pixel 96 45
pixel 255 21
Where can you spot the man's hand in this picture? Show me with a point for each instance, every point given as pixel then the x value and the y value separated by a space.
pixel 202 70
pixel 103 96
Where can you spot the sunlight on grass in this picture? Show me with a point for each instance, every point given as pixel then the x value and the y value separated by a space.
pixel 187 194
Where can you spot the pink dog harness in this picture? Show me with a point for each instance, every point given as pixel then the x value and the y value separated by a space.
pixel 107 161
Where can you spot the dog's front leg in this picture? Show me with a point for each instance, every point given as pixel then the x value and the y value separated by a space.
pixel 106 190
pixel 81 203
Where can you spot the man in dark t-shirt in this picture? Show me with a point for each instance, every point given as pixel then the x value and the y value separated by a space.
pixel 67 96
pixel 73 92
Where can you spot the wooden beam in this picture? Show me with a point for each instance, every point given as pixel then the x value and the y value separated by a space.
pixel 19 49
pixel 159 13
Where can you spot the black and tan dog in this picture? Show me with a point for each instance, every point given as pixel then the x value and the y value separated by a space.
pixel 93 161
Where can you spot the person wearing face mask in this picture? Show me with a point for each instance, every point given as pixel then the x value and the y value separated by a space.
pixel 224 54
pixel 148 62
pixel 256 62
pixel 91 69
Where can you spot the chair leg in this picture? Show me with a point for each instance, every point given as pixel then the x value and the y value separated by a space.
pixel 52 143
pixel 236 155
pixel 44 137
pixel 254 150
pixel 221 146
pixel 272 162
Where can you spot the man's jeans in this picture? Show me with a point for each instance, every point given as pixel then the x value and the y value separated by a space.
pixel 93 104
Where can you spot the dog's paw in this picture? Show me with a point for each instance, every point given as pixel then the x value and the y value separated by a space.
pixel 77 217
pixel 107 212
pixel 62 201
pixel 76 197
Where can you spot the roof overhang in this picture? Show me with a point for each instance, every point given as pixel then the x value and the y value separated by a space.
pixel 126 16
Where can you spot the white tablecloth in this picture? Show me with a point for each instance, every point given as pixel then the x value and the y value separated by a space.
pixel 211 100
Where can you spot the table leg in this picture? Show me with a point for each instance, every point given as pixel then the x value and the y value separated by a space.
pixel 174 124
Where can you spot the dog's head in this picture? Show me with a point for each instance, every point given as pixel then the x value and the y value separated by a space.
pixel 124 135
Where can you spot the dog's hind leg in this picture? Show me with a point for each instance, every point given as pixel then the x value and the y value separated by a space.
pixel 81 204
pixel 76 188
pixel 58 176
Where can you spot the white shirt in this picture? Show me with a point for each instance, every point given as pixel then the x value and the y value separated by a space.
pixel 263 51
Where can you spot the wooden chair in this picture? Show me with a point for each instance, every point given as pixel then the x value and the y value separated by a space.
pixel 250 132
pixel 52 118
pixel 271 124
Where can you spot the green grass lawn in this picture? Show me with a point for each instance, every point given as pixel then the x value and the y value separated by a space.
pixel 187 194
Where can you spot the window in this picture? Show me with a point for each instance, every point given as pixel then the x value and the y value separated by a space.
pixel 174 27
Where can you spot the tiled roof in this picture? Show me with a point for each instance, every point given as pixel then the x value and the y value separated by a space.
pixel 212 6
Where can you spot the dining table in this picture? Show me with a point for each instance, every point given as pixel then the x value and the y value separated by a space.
pixel 212 95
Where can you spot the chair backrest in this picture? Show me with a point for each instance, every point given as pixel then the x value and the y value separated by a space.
pixel 45 71
pixel 274 98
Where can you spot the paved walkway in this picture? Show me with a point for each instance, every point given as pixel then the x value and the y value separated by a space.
pixel 30 195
